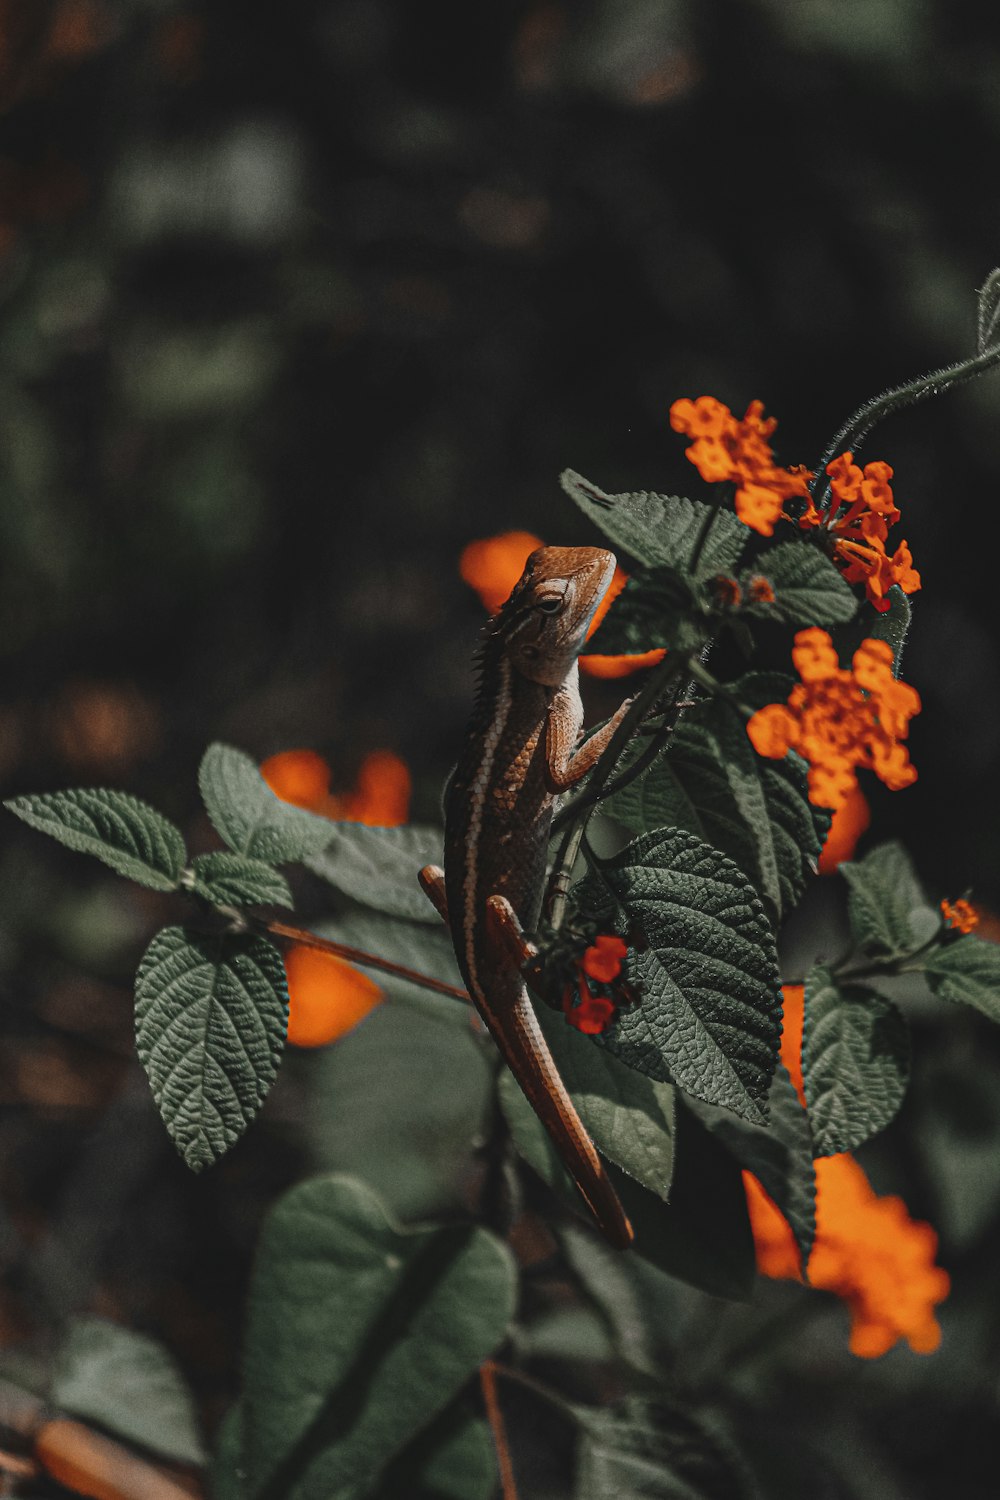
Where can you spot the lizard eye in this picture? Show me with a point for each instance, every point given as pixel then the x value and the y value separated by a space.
pixel 550 604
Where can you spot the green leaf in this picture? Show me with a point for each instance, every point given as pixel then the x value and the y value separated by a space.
pixel 703 1234
pixel 376 1109
pixel 379 866
pixel 780 1155
pixel 358 1335
pixel 533 1143
pixel 574 1333
pixel 967 970
pixel 630 1118
pixel 808 589
pixel 654 1451
pixel 124 832
pixel 226 1470
pixel 887 908
pixel 454 1459
pixel 210 1018
pixel 710 1014
pixel 660 530
pixel 636 1300
pixel 653 610
pixel 647 1451
pixel 233 880
pixel 128 1384
pixel 712 783
pixel 426 950
pixel 247 814
pixel 892 626
pixel 855 1062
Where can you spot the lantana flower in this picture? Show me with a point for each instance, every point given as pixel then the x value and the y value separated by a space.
pixel 857 524
pixel 867 1248
pixel 725 447
pixel 839 719
pixel 960 915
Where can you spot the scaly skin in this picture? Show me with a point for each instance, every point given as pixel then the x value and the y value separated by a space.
pixel 519 755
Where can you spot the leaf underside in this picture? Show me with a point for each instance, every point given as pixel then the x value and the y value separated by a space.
pixel 379 866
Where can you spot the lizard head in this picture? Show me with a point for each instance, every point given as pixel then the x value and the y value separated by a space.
pixel 545 621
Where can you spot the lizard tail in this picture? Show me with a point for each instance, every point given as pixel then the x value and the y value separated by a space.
pixel 526 1053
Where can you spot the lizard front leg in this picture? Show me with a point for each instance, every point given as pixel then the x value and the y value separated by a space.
pixel 565 765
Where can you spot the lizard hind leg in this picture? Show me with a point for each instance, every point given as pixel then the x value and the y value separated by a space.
pixel 505 930
pixel 431 879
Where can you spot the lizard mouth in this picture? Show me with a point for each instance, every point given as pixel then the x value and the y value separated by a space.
pixel 601 584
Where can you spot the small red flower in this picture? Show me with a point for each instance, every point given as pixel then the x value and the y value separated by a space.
pixel 594 1013
pixel 603 961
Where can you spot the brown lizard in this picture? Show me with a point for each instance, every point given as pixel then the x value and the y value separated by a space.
pixel 520 753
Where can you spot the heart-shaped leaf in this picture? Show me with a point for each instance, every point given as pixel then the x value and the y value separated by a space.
pixel 210 1018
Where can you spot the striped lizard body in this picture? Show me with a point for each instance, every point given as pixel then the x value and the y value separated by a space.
pixel 520 753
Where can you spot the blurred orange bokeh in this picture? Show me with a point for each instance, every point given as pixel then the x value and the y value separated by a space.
pixel 493 565
pixel 327 996
pixel 381 793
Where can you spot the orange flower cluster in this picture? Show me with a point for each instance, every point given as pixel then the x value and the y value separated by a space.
pixel 859 532
pixel 381 794
pixel 327 996
pixel 839 719
pixel 867 1250
pixel 602 962
pixel 960 915
pixel 726 448
pixel 493 565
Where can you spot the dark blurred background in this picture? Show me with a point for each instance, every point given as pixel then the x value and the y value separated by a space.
pixel 294 302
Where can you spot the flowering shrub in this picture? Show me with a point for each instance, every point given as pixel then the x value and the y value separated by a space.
pixel 380 1302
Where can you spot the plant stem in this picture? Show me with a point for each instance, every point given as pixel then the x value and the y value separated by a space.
pixel 714 507
pixel 540 1389
pixel 353 955
pixel 859 425
pixel 488 1382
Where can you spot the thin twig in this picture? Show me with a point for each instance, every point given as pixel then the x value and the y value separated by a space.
pixel 488 1381
pixel 356 956
pixel 530 1383
pixel 722 492
pixel 859 425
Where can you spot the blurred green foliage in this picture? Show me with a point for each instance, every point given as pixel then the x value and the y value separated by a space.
pixel 291 307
